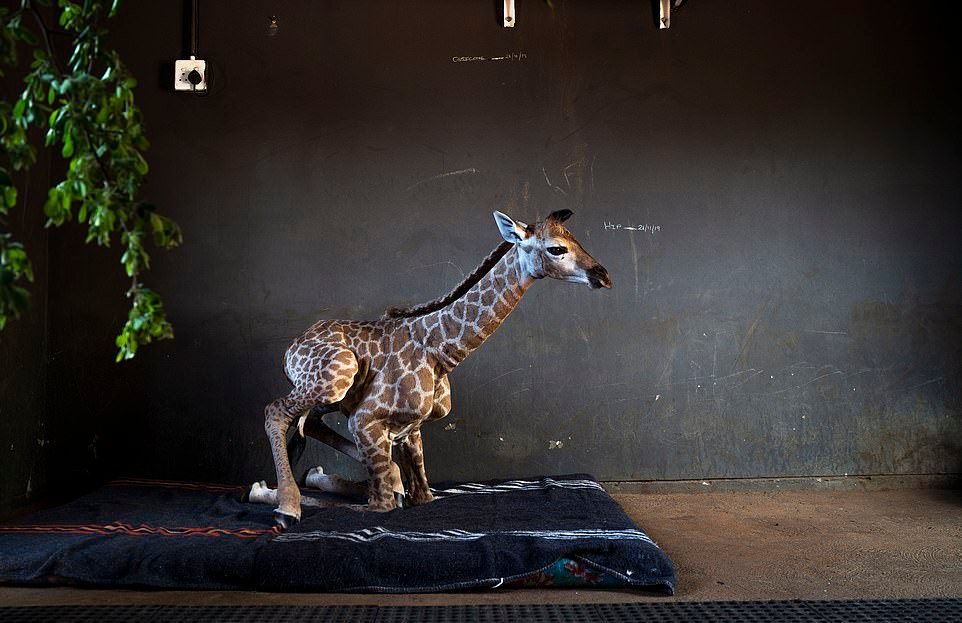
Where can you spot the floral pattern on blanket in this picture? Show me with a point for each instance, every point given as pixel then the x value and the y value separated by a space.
pixel 565 573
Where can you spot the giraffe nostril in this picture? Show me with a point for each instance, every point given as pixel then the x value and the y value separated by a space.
pixel 598 277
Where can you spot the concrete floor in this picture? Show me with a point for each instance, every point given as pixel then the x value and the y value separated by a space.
pixel 726 546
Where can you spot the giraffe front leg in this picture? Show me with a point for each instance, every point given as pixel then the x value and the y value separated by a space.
pixel 411 460
pixel 278 417
pixel 411 450
pixel 374 446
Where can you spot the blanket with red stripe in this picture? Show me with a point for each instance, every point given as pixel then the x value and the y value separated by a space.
pixel 563 530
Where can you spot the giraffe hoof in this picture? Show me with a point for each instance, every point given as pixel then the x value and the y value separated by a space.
pixel 305 480
pixel 418 500
pixel 284 520
pixel 260 494
pixel 399 499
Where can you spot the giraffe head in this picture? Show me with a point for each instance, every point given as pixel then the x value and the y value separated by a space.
pixel 549 250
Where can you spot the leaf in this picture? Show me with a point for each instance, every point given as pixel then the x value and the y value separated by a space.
pixel 67 150
pixel 167 234
pixel 127 260
pixel 52 207
pixel 98 127
pixel 140 165
pixel 10 196
pixel 56 115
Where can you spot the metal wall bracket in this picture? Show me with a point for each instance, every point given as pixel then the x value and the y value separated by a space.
pixel 509 18
pixel 664 14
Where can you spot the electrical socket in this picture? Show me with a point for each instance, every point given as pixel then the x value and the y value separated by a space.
pixel 182 71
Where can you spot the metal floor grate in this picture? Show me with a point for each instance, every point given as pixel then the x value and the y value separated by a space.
pixel 910 610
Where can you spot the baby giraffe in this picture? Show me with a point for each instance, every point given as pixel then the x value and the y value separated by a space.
pixel 390 376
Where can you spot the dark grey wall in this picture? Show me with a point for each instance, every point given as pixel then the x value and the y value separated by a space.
pixel 24 430
pixel 25 433
pixel 60 397
pixel 797 312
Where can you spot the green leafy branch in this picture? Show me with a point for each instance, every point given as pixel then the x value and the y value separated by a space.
pixel 84 108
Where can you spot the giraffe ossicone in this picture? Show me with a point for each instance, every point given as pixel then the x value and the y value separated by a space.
pixel 390 376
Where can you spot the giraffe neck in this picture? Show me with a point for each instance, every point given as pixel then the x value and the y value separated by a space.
pixel 453 332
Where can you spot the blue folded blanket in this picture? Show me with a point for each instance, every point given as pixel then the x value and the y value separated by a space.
pixel 560 531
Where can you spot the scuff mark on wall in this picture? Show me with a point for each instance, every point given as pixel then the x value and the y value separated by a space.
pixel 746 347
pixel 440 176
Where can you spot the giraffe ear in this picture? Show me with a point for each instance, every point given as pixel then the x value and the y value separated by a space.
pixel 511 231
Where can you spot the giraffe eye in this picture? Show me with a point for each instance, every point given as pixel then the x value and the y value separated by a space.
pixel 557 250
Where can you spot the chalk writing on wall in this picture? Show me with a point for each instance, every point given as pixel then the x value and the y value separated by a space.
pixel 645 227
pixel 510 56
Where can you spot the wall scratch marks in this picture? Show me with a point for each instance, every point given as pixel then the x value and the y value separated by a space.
pixel 446 262
pixel 468 171
pixel 555 187
pixel 742 358
pixel 500 376
pixel 801 385
pixel 929 382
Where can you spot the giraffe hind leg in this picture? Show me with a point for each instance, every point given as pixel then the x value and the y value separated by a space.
pixel 325 385
pixel 278 417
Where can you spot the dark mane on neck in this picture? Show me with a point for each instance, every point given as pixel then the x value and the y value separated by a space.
pixel 432 306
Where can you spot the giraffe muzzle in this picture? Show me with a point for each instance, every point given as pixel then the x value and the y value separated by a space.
pixel 598 277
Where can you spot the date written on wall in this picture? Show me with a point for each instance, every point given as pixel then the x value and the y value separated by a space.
pixel 510 56
pixel 645 227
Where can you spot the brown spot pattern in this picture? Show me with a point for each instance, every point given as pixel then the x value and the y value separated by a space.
pixel 395 372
